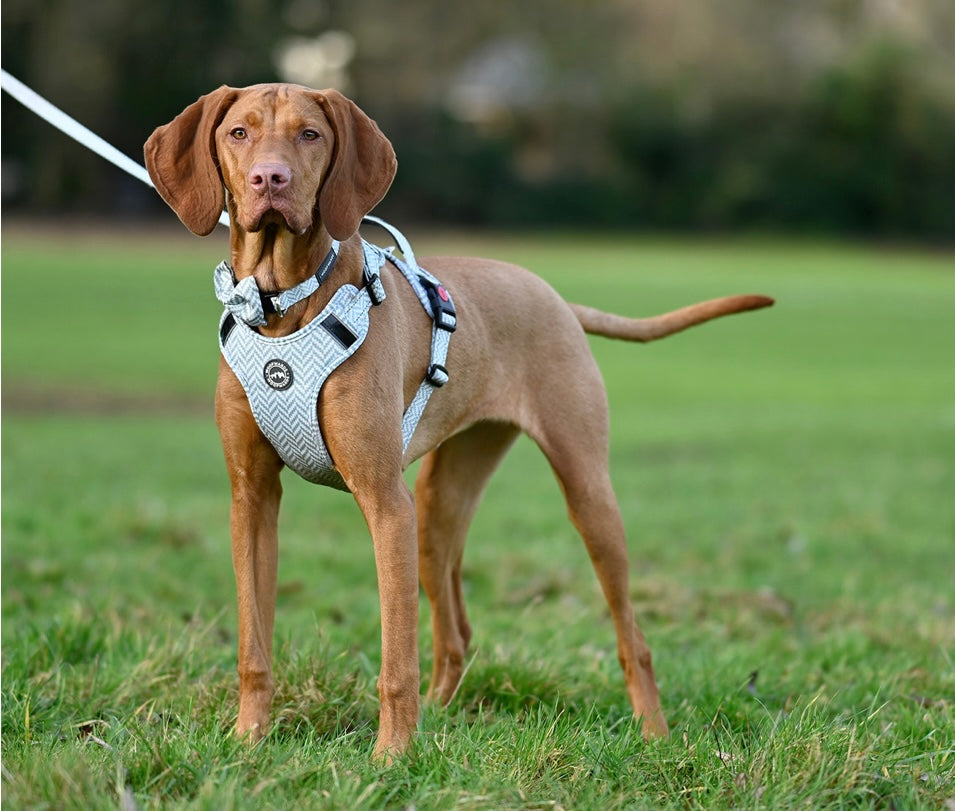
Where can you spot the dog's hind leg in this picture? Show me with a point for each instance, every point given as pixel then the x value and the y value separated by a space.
pixel 573 434
pixel 447 492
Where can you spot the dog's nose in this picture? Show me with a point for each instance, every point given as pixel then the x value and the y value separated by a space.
pixel 270 177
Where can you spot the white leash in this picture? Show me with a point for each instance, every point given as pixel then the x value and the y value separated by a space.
pixel 53 115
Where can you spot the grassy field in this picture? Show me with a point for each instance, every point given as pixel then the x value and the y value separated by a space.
pixel 786 477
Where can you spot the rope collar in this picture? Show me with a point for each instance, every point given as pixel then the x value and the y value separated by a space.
pixel 249 304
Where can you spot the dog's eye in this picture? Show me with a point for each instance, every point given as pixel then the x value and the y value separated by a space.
pixel 310 135
pixel 238 133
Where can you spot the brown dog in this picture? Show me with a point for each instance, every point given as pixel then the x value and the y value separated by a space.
pixel 297 168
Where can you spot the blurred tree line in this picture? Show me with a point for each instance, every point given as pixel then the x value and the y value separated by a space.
pixel 827 115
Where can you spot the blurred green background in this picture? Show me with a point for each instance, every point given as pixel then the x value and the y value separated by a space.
pixel 786 477
pixel 826 115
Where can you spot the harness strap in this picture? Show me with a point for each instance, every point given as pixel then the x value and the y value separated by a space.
pixel 437 303
pixel 280 302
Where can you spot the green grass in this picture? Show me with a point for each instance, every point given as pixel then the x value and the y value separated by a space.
pixel 786 478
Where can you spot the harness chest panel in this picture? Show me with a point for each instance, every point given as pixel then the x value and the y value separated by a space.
pixel 283 377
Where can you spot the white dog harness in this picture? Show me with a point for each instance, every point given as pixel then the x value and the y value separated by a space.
pixel 283 377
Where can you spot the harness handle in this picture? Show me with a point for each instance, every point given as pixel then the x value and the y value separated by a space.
pixel 397 236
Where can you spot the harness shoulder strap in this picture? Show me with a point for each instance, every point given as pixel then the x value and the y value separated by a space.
pixel 437 303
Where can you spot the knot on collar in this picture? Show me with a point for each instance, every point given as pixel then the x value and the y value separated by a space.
pixel 249 304
pixel 242 299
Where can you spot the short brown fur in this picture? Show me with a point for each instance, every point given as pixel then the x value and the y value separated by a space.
pixel 297 168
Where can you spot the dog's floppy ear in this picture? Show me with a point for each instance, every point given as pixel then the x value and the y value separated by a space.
pixel 181 159
pixel 363 166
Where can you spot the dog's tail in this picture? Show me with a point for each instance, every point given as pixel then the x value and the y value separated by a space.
pixel 597 322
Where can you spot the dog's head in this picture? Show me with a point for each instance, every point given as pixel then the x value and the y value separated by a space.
pixel 287 156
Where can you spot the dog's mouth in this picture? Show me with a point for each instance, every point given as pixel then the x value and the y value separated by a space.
pixel 276 212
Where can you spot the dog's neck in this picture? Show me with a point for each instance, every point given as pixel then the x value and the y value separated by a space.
pixel 279 260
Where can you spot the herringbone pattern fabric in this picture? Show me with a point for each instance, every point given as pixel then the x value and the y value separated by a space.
pixel 287 409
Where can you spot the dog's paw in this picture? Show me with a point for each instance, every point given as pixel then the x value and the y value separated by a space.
pixel 252 732
pixel 654 726
pixel 387 752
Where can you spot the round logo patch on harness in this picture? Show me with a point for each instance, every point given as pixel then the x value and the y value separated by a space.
pixel 278 374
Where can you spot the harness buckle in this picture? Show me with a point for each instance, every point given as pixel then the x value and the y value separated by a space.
pixel 437 375
pixel 445 316
pixel 376 289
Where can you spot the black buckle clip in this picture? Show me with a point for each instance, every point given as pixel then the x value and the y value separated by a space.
pixel 437 375
pixel 445 316
pixel 376 290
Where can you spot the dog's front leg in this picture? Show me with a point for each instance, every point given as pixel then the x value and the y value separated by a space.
pixel 254 469
pixel 389 510
pixel 254 523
